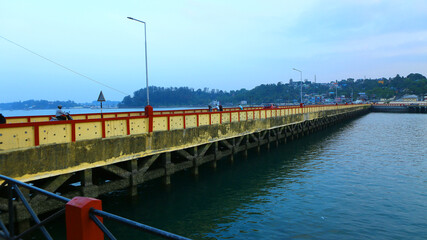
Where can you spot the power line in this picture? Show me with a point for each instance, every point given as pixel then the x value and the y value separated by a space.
pixel 62 66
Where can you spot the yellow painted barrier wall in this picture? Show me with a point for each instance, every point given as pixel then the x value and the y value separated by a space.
pixel 203 119
pixel 242 116
pixel 250 115
pixel 235 117
pixel 225 117
pixel 108 115
pixel 96 116
pixel 79 117
pixel 88 130
pixel 19 137
pixel 190 121
pixel 17 120
pixel 176 122
pixel 160 123
pixel 115 128
pixel 138 125
pixel 215 118
pixel 40 119
pixel 58 133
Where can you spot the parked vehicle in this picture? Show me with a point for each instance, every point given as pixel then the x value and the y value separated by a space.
pixel 269 106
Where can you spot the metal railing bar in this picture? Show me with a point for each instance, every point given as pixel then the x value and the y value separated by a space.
pixel 102 226
pixel 11 211
pixel 32 213
pixel 137 225
pixel 2 236
pixel 47 220
pixel 39 190
pixel 4 229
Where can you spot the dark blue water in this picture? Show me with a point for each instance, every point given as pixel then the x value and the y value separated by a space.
pixel 365 179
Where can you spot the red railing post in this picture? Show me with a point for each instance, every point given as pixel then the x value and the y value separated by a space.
pixel 169 122
pixel 104 135
pixel 149 113
pixel 79 225
pixel 36 135
pixel 197 120
pixel 73 131
pixel 128 126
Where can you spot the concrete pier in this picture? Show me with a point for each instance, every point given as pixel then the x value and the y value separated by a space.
pixel 93 167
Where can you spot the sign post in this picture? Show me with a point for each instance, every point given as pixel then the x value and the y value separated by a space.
pixel 101 99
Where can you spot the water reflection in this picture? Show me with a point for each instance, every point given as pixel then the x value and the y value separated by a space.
pixel 361 180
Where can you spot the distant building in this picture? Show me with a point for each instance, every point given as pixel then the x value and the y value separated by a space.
pixel 363 96
pixel 409 98
pixel 243 102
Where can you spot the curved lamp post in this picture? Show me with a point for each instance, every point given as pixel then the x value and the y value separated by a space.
pixel 301 80
pixel 146 65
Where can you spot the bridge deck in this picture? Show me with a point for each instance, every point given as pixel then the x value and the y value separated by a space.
pixel 31 131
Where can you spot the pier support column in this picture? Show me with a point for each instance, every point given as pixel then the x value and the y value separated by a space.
pixel 88 189
pixel 215 153
pixel 195 169
pixel 232 150
pixel 133 182
pixel 259 142
pixel 268 139
pixel 167 163
pixel 246 146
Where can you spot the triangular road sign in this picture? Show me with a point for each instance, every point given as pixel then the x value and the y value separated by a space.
pixel 101 97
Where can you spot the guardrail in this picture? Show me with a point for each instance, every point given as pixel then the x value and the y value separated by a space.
pixel 88 116
pixel 402 104
pixel 84 217
pixel 30 134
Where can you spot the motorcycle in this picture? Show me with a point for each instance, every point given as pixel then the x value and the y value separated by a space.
pixel 67 116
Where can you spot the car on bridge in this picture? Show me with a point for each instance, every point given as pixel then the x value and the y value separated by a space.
pixel 270 106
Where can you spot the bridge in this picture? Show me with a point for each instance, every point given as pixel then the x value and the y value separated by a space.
pixel 94 154
pixel 410 107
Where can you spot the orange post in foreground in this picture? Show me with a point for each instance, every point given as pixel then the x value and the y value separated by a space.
pixel 79 225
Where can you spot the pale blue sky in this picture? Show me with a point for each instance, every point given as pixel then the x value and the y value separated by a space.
pixel 221 44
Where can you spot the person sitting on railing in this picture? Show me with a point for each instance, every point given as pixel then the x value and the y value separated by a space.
pixel 61 115
pixel 2 119
pixel 240 106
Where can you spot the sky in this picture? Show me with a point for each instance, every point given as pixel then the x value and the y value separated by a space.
pixel 72 50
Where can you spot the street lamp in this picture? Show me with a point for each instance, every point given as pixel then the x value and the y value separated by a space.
pixel 301 79
pixel 146 65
